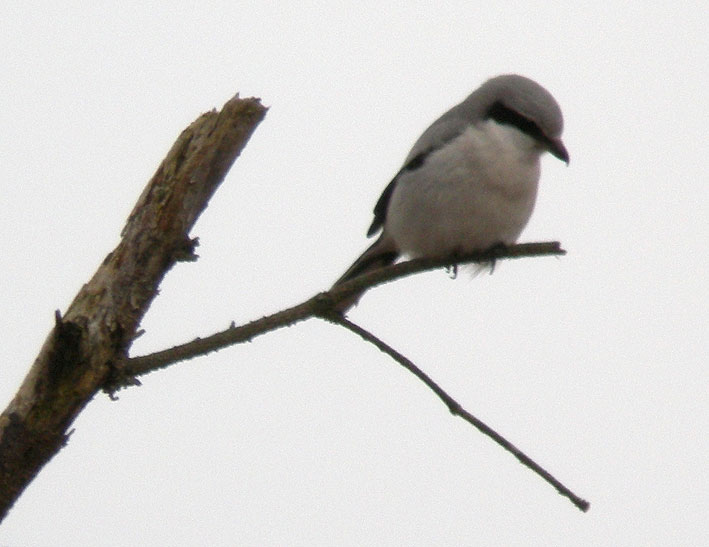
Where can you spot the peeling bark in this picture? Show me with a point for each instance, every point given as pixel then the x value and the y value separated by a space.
pixel 79 356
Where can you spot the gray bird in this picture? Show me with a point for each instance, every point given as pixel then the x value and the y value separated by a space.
pixel 470 181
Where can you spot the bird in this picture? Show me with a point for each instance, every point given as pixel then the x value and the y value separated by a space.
pixel 470 181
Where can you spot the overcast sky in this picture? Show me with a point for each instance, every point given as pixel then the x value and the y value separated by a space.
pixel 594 363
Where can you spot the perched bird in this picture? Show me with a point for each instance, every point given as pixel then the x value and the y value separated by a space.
pixel 470 181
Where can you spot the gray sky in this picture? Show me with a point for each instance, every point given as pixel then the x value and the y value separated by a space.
pixel 595 363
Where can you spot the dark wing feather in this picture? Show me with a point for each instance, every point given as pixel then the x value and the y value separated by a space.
pixel 446 128
pixel 380 209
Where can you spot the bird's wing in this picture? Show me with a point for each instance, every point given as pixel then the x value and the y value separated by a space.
pixel 442 131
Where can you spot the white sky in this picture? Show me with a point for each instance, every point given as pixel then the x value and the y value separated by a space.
pixel 595 364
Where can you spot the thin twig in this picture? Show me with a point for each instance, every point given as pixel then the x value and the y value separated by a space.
pixel 316 306
pixel 457 410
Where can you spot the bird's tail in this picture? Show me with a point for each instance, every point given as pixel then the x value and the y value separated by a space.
pixel 381 253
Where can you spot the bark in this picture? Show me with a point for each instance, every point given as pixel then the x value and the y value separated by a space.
pixel 80 355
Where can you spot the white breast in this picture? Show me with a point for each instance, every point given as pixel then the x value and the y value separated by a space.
pixel 475 192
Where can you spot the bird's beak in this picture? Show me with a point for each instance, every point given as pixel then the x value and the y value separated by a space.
pixel 558 150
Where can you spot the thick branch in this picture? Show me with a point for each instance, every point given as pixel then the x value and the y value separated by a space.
pixel 98 328
pixel 321 305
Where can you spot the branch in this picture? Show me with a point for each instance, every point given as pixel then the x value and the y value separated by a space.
pixel 320 305
pixel 457 410
pixel 87 349
pixel 81 351
pixel 323 305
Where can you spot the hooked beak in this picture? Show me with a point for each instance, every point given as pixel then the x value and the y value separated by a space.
pixel 558 150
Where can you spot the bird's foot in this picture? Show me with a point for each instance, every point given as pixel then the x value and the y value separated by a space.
pixel 496 250
pixel 452 268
